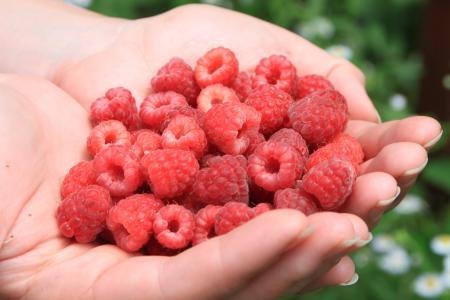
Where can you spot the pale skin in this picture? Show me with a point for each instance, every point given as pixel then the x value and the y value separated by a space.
pixel 44 125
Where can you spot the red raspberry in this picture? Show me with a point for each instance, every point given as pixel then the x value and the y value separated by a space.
pixel 331 182
pixel 227 126
pixel 255 138
pixel 170 172
pixel 79 176
pixel 242 85
pixel 118 170
pixel 311 83
pixel 275 166
pixel 262 208
pixel 107 133
pixel 144 141
pixel 276 70
pixel 273 105
pixel 174 226
pixel 131 220
pixel 295 199
pixel 184 133
pixel 215 94
pixel 320 116
pixel 82 214
pixel 156 108
pixel 176 76
pixel 218 65
pixel 292 138
pixel 343 146
pixel 118 104
pixel 205 220
pixel 223 180
pixel 188 111
pixel 232 215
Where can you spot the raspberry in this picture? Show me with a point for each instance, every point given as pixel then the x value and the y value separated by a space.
pixel 273 105
pixel 131 220
pixel 144 141
pixel 262 208
pixel 218 65
pixel 242 85
pixel 255 138
pixel 118 104
pixel 223 180
pixel 188 111
pixel 170 172
pixel 232 215
pixel 276 70
pixel 215 94
pixel 295 199
pixel 275 166
pixel 176 76
pixel 343 146
pixel 205 220
pixel 320 116
pixel 331 182
pixel 79 176
pixel 83 213
pixel 174 226
pixel 156 108
pixel 107 133
pixel 227 126
pixel 292 138
pixel 118 170
pixel 311 83
pixel 184 133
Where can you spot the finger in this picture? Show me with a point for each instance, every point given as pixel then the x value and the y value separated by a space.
pixel 424 131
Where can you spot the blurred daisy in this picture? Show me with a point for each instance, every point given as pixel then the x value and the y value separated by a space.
pixel 447 263
pixel 382 243
pixel 398 102
pixel 429 285
pixel 446 81
pixel 319 27
pixel 341 51
pixel 445 278
pixel 223 3
pixel 81 3
pixel 397 261
pixel 440 244
pixel 411 204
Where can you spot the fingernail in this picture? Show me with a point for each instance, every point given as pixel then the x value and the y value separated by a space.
pixel 352 281
pixel 349 243
pixel 417 170
pixel 433 141
pixel 379 117
pixel 387 202
pixel 307 232
pixel 362 243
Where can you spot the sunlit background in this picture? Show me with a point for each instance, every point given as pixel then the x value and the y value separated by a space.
pixel 403 47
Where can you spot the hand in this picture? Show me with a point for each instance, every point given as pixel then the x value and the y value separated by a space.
pixel 43 134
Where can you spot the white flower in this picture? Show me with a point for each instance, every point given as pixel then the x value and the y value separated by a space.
pixel 398 102
pixel 382 243
pixel 396 262
pixel 81 3
pixel 319 27
pixel 341 51
pixel 447 263
pixel 446 81
pixel 429 285
pixel 445 278
pixel 223 3
pixel 411 204
pixel 440 244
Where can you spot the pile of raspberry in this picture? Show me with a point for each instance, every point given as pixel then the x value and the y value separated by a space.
pixel 209 149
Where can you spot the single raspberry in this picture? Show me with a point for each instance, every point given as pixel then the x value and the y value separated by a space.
pixel 184 133
pixel 311 83
pixel 275 166
pixel 118 170
pixel 295 199
pixel 79 176
pixel 273 105
pixel 215 94
pixel 118 104
pixel 255 138
pixel 170 172
pixel 131 220
pixel 218 65
pixel 82 214
pixel 107 133
pixel 144 141
pixel 156 108
pixel 174 226
pixel 223 180
pixel 154 248
pixel 292 138
pixel 205 220
pixel 262 208
pixel 242 85
pixel 276 70
pixel 331 182
pixel 320 116
pixel 232 215
pixel 227 126
pixel 188 111
pixel 343 146
pixel 176 76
